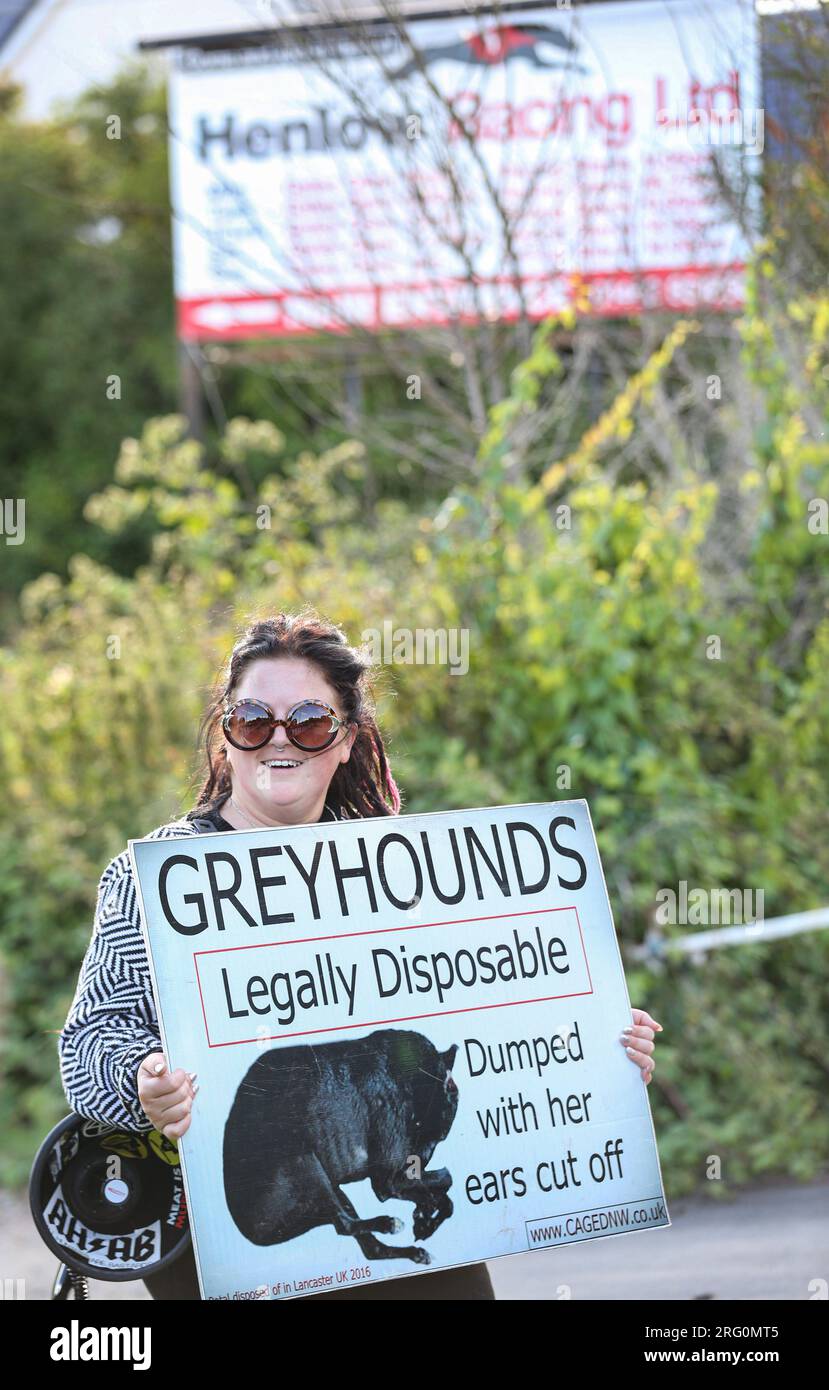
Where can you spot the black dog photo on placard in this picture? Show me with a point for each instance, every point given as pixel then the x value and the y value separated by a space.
pixel 308 1119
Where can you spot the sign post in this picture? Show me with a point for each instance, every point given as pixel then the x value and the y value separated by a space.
pixel 406 1034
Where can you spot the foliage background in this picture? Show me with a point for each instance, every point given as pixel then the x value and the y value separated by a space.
pixel 590 628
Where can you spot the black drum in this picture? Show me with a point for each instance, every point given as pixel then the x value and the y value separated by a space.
pixel 109 1203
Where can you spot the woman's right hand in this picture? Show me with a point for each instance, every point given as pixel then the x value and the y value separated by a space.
pixel 166 1097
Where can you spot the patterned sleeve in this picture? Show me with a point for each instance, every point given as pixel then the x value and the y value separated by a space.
pixel 112 1024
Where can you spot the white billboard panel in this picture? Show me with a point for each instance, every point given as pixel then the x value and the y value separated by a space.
pixel 526 156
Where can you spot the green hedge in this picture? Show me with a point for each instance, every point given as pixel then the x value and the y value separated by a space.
pixel 591 675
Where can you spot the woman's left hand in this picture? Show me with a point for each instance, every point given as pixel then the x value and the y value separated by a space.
pixel 638 1041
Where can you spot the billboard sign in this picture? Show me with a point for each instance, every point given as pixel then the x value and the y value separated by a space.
pixel 352 178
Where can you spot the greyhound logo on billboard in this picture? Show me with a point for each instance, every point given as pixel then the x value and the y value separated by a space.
pixel 542 45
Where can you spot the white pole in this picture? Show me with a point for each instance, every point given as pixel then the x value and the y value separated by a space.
pixel 747 933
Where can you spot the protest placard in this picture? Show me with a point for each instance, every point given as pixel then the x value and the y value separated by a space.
pixel 406 1032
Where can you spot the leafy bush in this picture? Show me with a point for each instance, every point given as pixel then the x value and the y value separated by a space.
pixel 656 646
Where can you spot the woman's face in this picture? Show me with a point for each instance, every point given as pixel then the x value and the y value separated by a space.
pixel 295 795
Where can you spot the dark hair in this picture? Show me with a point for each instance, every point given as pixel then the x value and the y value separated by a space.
pixel 364 785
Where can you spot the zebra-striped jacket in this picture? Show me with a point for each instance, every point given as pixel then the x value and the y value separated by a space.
pixel 112 1024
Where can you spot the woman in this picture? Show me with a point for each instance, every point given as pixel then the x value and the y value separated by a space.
pixel 112 1065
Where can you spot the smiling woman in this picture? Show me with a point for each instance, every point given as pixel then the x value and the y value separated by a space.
pixel 286 773
pixel 292 729
pixel 290 738
pixel 282 746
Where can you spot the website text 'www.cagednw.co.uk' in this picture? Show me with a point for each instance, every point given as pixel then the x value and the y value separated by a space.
pixel 601 1221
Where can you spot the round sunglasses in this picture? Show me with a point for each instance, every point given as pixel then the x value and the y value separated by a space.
pixel 310 725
